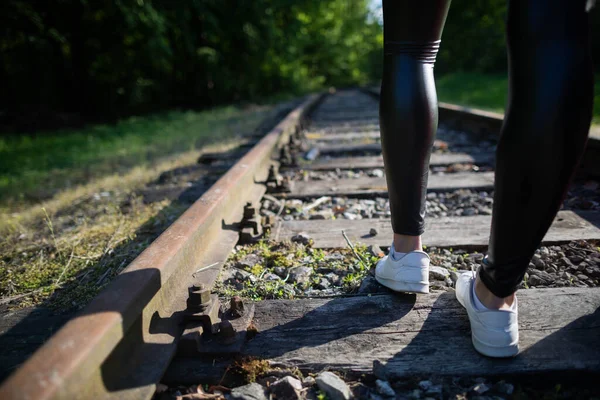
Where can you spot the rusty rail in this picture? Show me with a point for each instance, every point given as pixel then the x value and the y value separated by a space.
pixel 120 345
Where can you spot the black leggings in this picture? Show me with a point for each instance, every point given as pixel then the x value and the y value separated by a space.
pixel 544 133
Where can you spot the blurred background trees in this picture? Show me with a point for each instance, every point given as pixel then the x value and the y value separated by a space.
pixel 99 58
pixel 105 59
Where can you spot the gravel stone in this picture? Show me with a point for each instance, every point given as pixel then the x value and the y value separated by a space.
pixel 480 388
pixel 475 257
pixel 252 391
pixel 249 261
pixel 384 388
pixel 281 272
pixel 300 274
pixel 370 285
pixel 302 238
pixel 453 276
pixel 537 277
pixel 271 277
pixel 334 386
pixel 504 388
pixel 438 273
pixel 333 278
pixel 241 274
pixel 289 289
pixel 286 388
pixel 538 262
pixel 375 250
pixel 308 381
pixel 323 284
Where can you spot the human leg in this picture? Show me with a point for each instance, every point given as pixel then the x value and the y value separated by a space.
pixel 544 133
pixel 543 137
pixel 408 123
pixel 408 110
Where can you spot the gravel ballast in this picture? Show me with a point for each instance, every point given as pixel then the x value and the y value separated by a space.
pixel 293 270
pixel 374 386
pixel 462 202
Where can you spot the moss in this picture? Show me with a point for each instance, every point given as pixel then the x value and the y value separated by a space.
pixel 279 259
pixel 244 371
pixel 257 269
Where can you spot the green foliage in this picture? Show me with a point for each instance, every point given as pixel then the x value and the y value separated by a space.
pixel 473 38
pixel 120 57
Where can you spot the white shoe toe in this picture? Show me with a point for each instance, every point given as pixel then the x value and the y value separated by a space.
pixel 410 274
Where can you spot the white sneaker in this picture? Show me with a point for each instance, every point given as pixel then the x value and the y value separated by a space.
pixel 408 274
pixel 495 333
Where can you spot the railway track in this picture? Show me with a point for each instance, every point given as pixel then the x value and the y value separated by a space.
pixel 273 263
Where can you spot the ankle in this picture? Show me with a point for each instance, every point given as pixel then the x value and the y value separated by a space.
pixel 406 243
pixel 490 300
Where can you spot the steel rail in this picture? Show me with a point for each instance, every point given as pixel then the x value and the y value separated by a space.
pixel 122 342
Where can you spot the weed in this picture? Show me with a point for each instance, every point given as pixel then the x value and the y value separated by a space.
pixel 257 269
pixel 287 255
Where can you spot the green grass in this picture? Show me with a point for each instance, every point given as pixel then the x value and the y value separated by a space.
pixel 34 168
pixel 61 251
pixel 486 91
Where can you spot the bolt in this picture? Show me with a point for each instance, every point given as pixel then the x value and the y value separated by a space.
pixel 249 211
pixel 272 174
pixel 285 156
pixel 199 297
pixel 237 307
pixel 226 330
pixel 286 185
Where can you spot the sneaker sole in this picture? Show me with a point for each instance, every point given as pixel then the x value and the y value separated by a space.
pixel 495 352
pixel 404 287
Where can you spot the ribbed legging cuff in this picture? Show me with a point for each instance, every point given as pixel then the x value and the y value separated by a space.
pixel 505 287
pixel 423 51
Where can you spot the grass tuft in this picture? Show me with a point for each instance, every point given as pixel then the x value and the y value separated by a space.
pixel 62 251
